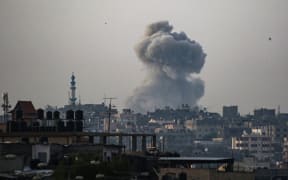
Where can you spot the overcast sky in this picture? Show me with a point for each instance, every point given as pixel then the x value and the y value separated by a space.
pixel 43 42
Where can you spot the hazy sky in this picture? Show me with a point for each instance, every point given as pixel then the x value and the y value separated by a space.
pixel 43 42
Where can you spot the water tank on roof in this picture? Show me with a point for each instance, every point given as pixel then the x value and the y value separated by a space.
pixel 70 126
pixel 40 114
pixel 60 126
pixel 79 115
pixel 70 115
pixel 79 126
pixel 56 115
pixel 49 115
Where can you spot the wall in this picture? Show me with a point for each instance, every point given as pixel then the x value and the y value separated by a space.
pixel 9 165
pixel 41 148
pixel 207 174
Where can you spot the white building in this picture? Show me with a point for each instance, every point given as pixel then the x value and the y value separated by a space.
pixel 41 152
pixel 255 144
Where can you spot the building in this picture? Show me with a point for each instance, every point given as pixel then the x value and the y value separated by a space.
pixel 24 110
pixel 278 131
pixel 273 174
pixel 230 112
pixel 264 113
pixel 206 128
pixel 25 118
pixel 41 152
pixel 255 144
pixel 10 163
pixel 105 152
pixel 200 168
pixel 14 156
pixel 176 141
pixel 285 151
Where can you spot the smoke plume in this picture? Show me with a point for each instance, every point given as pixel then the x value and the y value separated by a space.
pixel 172 60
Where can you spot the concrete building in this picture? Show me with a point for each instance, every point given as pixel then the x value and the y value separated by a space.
pixel 255 144
pixel 41 152
pixel 10 162
pixel 200 168
pixel 264 113
pixel 203 174
pixel 271 174
pixel 106 152
pixel 277 131
pixel 285 150
pixel 24 110
pixel 206 128
pixel 230 112
pixel 176 141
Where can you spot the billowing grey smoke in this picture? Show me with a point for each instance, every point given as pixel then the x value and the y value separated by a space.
pixel 171 59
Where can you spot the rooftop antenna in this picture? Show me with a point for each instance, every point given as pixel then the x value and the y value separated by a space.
pixel 109 111
pixel 6 106
pixel 104 98
pixel 79 102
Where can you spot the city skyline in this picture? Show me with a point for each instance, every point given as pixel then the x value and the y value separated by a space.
pixel 42 43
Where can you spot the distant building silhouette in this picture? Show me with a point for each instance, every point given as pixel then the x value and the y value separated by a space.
pixel 24 110
pixel 26 119
pixel 264 113
pixel 230 111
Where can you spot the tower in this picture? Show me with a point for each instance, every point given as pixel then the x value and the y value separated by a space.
pixel 73 98
pixel 5 106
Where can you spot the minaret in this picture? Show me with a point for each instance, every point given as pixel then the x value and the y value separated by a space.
pixel 5 106
pixel 73 90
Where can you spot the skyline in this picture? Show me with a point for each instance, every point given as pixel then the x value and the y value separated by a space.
pixel 39 49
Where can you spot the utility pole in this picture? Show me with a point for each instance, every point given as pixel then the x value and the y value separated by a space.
pixel 109 111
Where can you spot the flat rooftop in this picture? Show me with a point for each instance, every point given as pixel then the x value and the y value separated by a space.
pixel 65 134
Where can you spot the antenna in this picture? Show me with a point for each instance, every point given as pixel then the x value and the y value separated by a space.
pixel 104 98
pixel 109 111
pixel 79 102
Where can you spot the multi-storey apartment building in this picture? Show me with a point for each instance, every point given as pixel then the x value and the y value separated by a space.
pixel 285 150
pixel 255 144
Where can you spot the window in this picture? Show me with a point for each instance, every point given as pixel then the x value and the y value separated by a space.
pixel 245 144
pixel 265 138
pixel 254 139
